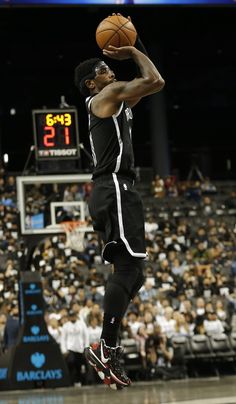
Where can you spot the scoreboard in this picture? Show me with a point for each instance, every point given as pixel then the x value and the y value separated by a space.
pixel 56 134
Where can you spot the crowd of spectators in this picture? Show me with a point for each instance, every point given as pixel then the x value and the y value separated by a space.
pixel 191 188
pixel 189 288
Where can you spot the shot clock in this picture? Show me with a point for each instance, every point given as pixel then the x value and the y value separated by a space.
pixel 56 134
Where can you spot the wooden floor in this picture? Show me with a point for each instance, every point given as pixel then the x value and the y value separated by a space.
pixel 189 391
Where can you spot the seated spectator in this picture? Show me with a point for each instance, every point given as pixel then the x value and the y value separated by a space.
pixel 230 201
pixel 212 324
pixel 186 307
pixel 149 273
pixel 150 227
pixel 208 288
pixel 12 327
pixel 223 286
pixel 170 186
pixel 199 326
pixel 141 338
pixel 133 321
pixel 166 284
pixel 220 310
pixel 188 285
pixel 193 191
pixel 148 320
pixel 207 187
pixel 125 329
pixel 94 329
pixel 158 187
pixel 94 295
pixel 177 267
pixel 182 327
pixel 73 192
pixel 94 277
pixel 147 292
pixel 160 357
pixel 86 308
pixel 200 306
pixel 92 250
pixel 208 207
pixel 95 311
pixel 167 323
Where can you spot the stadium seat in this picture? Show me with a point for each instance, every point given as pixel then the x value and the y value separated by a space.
pixel 232 338
pixel 131 355
pixel 222 348
pixel 181 345
pixel 203 354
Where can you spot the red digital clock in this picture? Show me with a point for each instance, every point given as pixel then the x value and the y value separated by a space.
pixel 56 134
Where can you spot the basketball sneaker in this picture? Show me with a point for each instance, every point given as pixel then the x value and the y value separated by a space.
pixel 107 363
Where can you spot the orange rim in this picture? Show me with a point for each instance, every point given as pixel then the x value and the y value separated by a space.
pixel 70 225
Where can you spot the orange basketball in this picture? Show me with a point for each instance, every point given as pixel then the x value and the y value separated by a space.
pixel 115 30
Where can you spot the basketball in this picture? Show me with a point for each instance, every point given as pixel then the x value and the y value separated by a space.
pixel 115 30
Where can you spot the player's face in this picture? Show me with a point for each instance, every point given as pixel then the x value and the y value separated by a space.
pixel 104 73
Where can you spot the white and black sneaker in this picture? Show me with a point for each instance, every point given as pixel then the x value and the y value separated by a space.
pixel 107 363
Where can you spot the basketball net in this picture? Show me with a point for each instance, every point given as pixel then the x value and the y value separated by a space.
pixel 75 231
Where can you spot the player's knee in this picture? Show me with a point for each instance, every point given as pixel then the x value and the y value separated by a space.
pixel 129 276
pixel 140 278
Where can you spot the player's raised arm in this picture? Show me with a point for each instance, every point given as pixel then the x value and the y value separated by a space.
pixel 150 81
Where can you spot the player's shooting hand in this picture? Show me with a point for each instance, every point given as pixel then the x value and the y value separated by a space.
pixel 122 53
pixel 121 15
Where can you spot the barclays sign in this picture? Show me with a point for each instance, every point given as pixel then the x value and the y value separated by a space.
pixel 35 337
pixel 34 311
pixel 3 373
pixel 33 289
pixel 38 359
pixel 34 375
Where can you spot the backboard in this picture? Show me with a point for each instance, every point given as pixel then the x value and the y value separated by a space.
pixel 46 201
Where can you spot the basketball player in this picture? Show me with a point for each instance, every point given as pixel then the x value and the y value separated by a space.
pixel 115 206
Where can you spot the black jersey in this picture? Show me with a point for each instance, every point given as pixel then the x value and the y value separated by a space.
pixel 111 142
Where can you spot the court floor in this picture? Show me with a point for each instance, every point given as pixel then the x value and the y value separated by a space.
pixel 189 391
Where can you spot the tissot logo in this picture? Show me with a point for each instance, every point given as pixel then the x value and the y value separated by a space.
pixel 38 359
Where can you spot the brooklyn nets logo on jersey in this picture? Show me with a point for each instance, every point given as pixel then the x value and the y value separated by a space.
pixel 128 113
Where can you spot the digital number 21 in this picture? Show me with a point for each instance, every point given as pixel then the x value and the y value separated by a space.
pixel 50 132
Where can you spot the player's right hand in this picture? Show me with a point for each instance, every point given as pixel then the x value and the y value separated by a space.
pixel 122 53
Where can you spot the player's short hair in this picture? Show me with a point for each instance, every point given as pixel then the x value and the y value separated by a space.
pixel 85 71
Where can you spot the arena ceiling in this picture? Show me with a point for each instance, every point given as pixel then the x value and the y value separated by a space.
pixel 194 48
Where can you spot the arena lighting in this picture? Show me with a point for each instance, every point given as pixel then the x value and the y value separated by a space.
pixel 5 158
pixel 118 2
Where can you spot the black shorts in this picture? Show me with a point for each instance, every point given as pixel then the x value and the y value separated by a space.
pixel 117 213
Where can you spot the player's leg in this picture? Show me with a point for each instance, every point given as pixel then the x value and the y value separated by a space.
pixel 111 204
pixel 121 287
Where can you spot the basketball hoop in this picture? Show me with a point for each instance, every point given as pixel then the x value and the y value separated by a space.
pixel 75 231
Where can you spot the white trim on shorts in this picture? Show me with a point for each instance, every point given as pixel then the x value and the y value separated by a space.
pixel 120 221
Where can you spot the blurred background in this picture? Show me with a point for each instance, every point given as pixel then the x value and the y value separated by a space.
pixel 191 122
